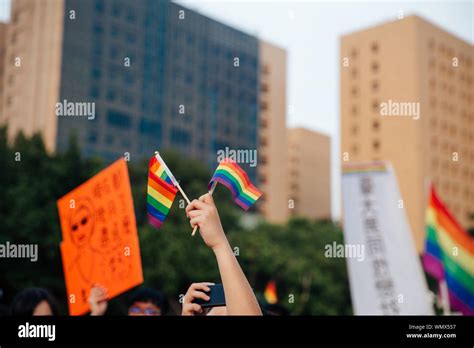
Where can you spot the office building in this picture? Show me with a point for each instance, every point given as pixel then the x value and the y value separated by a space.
pixel 309 158
pixel 407 97
pixel 273 143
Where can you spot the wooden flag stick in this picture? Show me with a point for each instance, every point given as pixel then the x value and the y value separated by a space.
pixel 211 191
pixel 175 182
pixel 184 194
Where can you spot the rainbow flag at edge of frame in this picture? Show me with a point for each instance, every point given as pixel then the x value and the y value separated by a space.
pixel 449 255
pixel 270 293
pixel 161 191
pixel 229 174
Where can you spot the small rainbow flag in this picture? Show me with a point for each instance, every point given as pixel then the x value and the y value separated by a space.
pixel 161 191
pixel 229 174
pixel 270 293
pixel 449 255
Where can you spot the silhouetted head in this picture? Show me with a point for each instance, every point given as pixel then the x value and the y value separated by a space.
pixel 34 301
pixel 147 301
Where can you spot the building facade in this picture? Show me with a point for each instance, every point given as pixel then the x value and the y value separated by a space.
pixel 407 97
pixel 31 67
pixel 155 74
pixel 161 76
pixel 273 145
pixel 309 158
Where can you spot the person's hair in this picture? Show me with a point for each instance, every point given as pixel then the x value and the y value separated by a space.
pixel 149 295
pixel 25 302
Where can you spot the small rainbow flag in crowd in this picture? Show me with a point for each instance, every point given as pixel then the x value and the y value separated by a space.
pixel 229 174
pixel 161 191
pixel 270 293
pixel 449 255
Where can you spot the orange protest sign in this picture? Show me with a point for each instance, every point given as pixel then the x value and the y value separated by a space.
pixel 100 241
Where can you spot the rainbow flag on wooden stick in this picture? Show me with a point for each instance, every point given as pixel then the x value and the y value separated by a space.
pixel 229 174
pixel 449 255
pixel 161 191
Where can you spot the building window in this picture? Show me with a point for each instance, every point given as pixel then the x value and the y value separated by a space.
pixel 15 17
pixel 374 47
pixel 111 95
pixel 94 92
pixel 98 28
pixel 131 17
pixel 376 125
pixel 354 53
pixel 119 119
pixel 375 86
pixel 114 31
pixel 116 10
pixel 431 44
pixel 99 6
pixel 127 99
pixel 376 145
pixel 354 91
pixel 180 137
pixel 375 67
pixel 375 105
pixel 92 137
pixel 96 73
pixel 354 110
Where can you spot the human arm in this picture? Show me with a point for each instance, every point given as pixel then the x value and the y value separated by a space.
pixel 240 299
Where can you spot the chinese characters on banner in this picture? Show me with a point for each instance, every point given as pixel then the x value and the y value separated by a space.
pixel 389 280
pixel 100 241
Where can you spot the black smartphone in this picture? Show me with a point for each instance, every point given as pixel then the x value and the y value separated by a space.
pixel 217 297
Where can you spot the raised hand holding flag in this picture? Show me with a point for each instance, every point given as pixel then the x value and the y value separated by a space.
pixel 232 176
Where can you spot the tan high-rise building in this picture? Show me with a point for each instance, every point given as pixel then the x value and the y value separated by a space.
pixel 32 68
pixel 310 175
pixel 388 72
pixel 272 165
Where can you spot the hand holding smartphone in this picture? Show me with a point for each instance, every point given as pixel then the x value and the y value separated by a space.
pixel 217 297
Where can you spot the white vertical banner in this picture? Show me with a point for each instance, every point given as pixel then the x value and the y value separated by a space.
pixel 389 279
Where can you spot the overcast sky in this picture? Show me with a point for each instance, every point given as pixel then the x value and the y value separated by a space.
pixel 310 32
